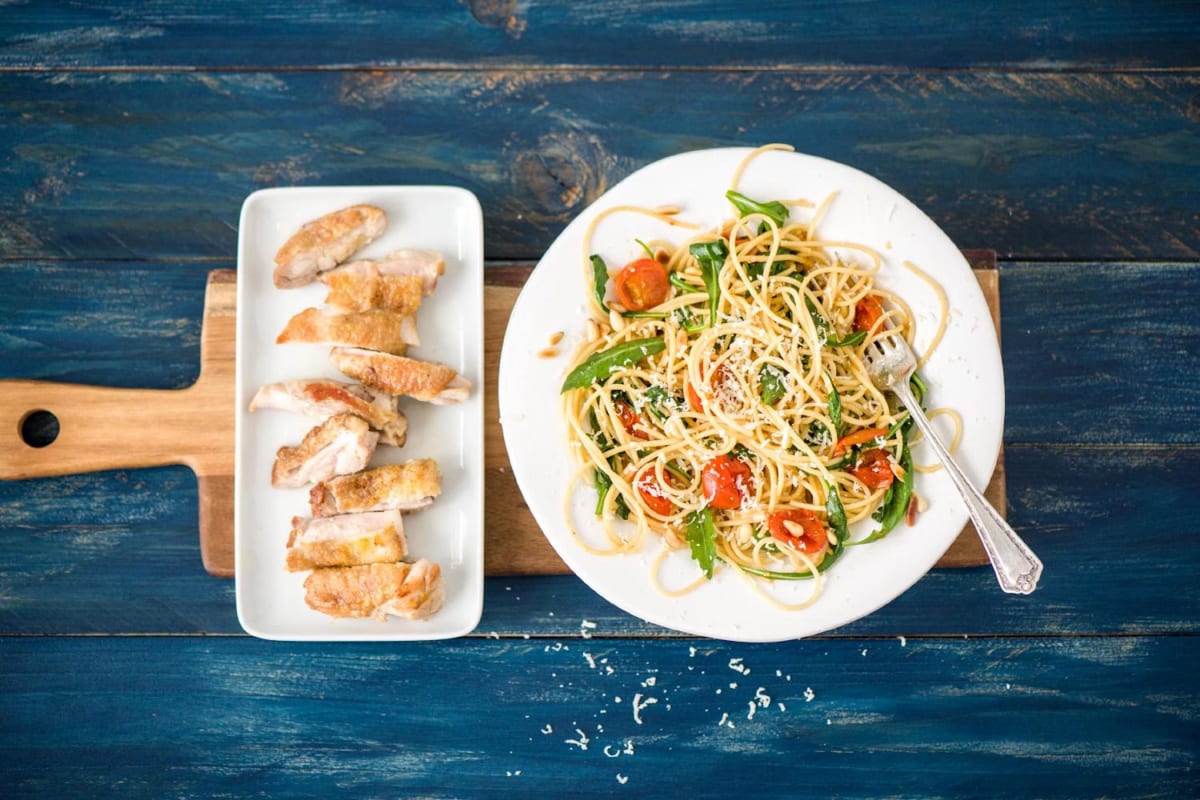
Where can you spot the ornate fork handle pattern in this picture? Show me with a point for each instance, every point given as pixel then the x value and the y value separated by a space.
pixel 1017 568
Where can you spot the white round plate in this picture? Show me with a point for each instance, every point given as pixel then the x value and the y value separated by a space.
pixel 965 374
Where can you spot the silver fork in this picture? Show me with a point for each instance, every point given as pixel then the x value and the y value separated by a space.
pixel 891 363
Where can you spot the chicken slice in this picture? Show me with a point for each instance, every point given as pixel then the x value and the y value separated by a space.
pixel 424 380
pixel 424 264
pixel 323 398
pixel 413 591
pixel 366 289
pixel 345 541
pixel 340 445
pixel 374 330
pixel 326 242
pixel 407 487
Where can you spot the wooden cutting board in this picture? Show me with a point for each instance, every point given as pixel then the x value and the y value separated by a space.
pixel 195 426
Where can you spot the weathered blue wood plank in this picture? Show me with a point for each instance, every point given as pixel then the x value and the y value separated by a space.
pixel 1111 717
pixel 117 552
pixel 156 164
pixel 1093 353
pixel 1101 352
pixel 872 34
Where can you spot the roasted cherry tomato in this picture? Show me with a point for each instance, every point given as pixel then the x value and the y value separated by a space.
pixel 727 482
pixel 867 313
pixel 630 420
pixel 642 284
pixel 873 469
pixel 860 436
pixel 811 537
pixel 721 376
pixel 651 492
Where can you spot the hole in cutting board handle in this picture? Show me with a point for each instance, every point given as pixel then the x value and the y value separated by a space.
pixel 39 428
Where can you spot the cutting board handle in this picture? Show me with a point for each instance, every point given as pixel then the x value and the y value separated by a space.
pixel 103 428
pixel 99 428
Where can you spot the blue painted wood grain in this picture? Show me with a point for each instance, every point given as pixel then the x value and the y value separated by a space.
pixel 117 552
pixel 775 33
pixel 152 164
pixel 1023 717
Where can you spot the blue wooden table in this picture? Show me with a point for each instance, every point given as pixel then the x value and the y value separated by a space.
pixel 1064 136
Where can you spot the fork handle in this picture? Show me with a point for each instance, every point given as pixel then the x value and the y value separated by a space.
pixel 1017 568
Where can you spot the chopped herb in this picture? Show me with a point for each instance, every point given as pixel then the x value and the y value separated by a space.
pixel 742 453
pixel 659 401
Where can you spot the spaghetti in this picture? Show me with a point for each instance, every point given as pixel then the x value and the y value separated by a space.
pixel 723 403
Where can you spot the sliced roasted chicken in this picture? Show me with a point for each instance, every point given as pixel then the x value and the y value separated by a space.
pixel 346 540
pixel 385 331
pixel 405 487
pixel 326 242
pixel 338 446
pixel 412 591
pixel 365 289
pixel 424 264
pixel 322 398
pixel 424 380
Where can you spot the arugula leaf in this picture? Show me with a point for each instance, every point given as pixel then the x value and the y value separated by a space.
pixel 835 411
pixel 817 436
pixel 711 258
pixel 600 365
pixel 818 320
pixel 622 507
pixel 837 515
pixel 603 484
pixel 771 386
pixel 755 269
pixel 742 453
pixel 679 283
pixel 849 340
pixel 678 471
pixel 776 211
pixel 599 280
pixel 702 537
pixel 918 388
pixel 895 502
pixel 646 247
pixel 825 332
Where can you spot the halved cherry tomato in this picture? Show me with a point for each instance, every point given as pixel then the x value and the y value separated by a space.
pixel 720 377
pixel 642 284
pixel 812 537
pixel 650 490
pixel 873 469
pixel 860 436
pixel 630 420
pixel 727 481
pixel 867 313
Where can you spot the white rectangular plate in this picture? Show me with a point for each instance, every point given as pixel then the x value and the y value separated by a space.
pixel 270 600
